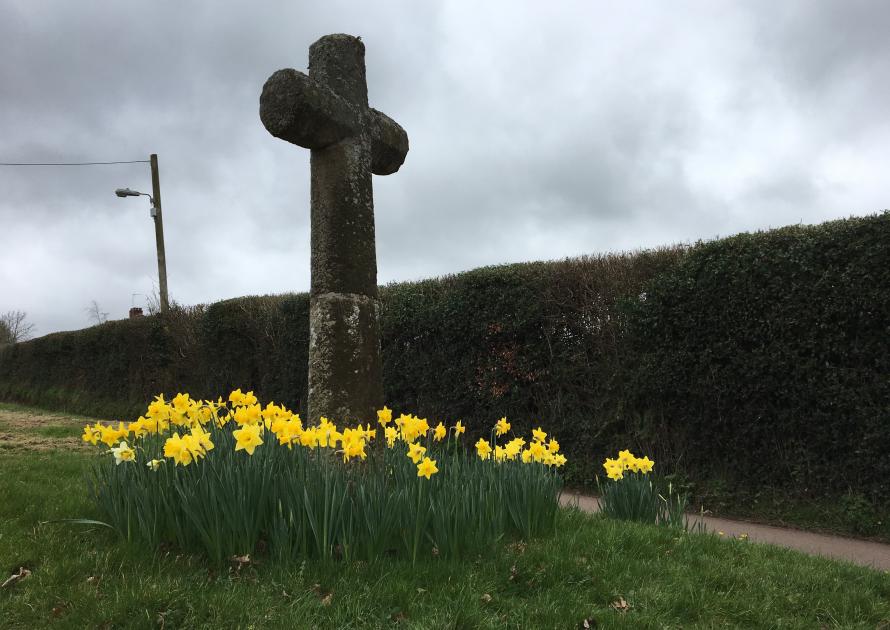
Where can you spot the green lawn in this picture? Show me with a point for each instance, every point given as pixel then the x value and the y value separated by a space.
pixel 83 577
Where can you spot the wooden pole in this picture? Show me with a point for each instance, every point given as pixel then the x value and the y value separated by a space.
pixel 159 233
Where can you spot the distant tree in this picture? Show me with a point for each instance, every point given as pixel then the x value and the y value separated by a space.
pixel 14 327
pixel 94 312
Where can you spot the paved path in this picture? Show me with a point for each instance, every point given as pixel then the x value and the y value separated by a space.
pixel 866 553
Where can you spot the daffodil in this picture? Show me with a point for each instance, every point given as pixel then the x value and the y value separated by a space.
pixel 502 426
pixel 176 449
pixel 539 435
pixel 483 449
pixel 91 434
pixel 625 457
pixel 384 416
pixel 247 438
pixel 645 464
pixel 248 414
pixel 202 439
pixel 459 428
pixel 427 468
pixel 553 446
pixel 155 464
pixel 614 469
pixel 123 453
pixel 391 434
pixel 415 452
pixel 440 432
pixel 514 446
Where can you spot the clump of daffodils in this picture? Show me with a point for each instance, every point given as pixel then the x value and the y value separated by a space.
pixel 634 495
pixel 627 461
pixel 226 474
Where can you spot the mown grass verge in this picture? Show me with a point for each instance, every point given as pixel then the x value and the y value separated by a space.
pixel 83 577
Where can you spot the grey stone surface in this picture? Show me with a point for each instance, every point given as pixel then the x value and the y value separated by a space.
pixel 327 112
pixel 345 368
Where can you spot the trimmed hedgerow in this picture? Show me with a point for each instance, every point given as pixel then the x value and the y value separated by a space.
pixel 766 358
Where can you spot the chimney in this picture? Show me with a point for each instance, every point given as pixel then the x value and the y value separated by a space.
pixel 135 312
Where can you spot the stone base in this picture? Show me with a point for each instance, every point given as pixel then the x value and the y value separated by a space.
pixel 345 365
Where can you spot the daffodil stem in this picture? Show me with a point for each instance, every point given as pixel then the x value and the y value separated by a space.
pixel 417 522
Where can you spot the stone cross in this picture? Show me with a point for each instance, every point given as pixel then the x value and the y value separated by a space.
pixel 327 112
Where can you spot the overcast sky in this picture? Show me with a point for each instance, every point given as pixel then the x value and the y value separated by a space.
pixel 538 131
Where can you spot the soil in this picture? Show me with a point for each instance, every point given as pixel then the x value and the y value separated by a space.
pixel 18 431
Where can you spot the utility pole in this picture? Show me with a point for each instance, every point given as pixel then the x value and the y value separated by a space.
pixel 159 233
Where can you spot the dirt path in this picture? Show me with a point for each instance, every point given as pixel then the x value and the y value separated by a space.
pixel 863 552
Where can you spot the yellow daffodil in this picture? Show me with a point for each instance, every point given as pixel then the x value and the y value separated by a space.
pixel 553 446
pixel 384 416
pixel 645 464
pixel 353 442
pixel 513 447
pixel 415 452
pixel 111 436
pixel 483 449
pixel 176 449
pixel 391 434
pixel 502 426
pixel 248 438
pixel 248 414
pixel 202 439
pixel 91 434
pixel 539 435
pixel 537 450
pixel 155 464
pixel 236 398
pixel 427 468
pixel 614 469
pixel 309 437
pixel 123 453
pixel 440 432
pixel 625 457
pixel 459 428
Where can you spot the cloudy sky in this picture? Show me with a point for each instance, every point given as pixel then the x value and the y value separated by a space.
pixel 538 131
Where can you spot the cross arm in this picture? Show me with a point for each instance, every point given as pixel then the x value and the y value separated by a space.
pixel 389 144
pixel 304 112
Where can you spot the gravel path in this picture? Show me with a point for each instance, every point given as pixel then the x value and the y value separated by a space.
pixel 863 552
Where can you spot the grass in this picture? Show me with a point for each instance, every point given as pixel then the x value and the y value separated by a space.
pixel 83 577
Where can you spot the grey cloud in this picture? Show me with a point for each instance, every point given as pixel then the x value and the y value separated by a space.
pixel 537 131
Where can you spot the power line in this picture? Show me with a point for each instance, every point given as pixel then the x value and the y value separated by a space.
pixel 71 163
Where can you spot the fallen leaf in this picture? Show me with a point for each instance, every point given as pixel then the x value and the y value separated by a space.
pixel 398 616
pixel 421 591
pixel 485 597
pixel 590 622
pixel 326 600
pixel 620 605
pixel 15 577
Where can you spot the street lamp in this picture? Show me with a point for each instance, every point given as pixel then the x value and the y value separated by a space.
pixel 126 192
pixel 155 201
